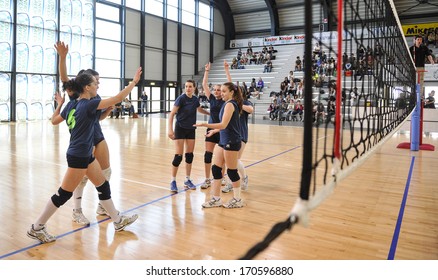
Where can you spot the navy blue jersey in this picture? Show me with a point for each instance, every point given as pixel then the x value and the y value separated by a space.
pixel 186 115
pixel 215 108
pixel 81 118
pixel 230 134
pixel 244 122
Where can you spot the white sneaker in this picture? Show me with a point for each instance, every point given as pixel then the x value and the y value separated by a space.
pixel 212 203
pixel 78 217
pixel 245 183
pixel 206 184
pixel 101 211
pixel 228 187
pixel 124 222
pixel 41 235
pixel 234 203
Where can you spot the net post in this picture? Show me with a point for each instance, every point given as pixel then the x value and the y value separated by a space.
pixel 415 122
pixel 338 119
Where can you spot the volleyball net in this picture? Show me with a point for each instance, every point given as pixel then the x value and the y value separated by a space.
pixel 359 88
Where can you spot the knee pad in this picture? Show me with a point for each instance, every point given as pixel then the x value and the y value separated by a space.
pixel 189 157
pixel 233 175
pixel 208 157
pixel 61 197
pixel 217 172
pixel 104 191
pixel 83 182
pixel 177 160
pixel 107 173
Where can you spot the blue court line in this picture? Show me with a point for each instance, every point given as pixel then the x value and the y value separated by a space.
pixel 400 214
pixel 132 209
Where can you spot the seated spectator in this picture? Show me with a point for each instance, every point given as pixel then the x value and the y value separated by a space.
pixel 290 109
pixel 317 49
pixel 239 54
pixel 331 107
pixel 260 58
pixel 260 84
pixel 127 107
pixel 249 51
pixel 320 112
pixel 271 52
pixel 290 77
pixel 234 63
pixel 298 64
pixel 300 89
pixel 273 110
pixel 264 50
pixel 268 67
pixel 282 110
pixel 253 58
pixel 253 85
pixel 298 111
pixel 430 100
pixel 117 111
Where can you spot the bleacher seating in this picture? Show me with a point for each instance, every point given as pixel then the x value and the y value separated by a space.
pixel 283 63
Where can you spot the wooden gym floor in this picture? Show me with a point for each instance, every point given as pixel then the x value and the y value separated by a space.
pixel 359 221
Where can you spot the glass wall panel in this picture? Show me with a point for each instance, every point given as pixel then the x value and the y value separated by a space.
pixel 134 4
pixel 107 12
pixel 154 7
pixel 108 68
pixel 108 30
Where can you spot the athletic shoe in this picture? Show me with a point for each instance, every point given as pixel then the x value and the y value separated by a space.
pixel 228 187
pixel 78 217
pixel 245 183
pixel 41 235
pixel 101 211
pixel 206 184
pixel 234 203
pixel 173 187
pixel 212 203
pixel 189 185
pixel 124 222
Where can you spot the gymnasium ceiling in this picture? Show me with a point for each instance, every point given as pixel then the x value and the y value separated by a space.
pixel 251 18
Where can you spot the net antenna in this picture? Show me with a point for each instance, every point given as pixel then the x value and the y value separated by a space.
pixel 364 64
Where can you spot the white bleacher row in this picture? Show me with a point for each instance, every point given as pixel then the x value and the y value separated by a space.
pixel 283 63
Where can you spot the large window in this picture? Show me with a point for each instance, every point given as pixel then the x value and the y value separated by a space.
pixel 188 12
pixel 36 59
pixel 172 10
pixel 154 7
pixel 204 16
pixel 108 49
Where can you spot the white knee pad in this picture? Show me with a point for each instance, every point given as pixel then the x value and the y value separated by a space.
pixel 107 173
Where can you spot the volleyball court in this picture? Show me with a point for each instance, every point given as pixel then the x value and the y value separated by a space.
pixel 371 93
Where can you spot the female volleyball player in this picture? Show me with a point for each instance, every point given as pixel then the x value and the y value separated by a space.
pixel 101 151
pixel 185 108
pixel 227 153
pixel 80 157
pixel 216 103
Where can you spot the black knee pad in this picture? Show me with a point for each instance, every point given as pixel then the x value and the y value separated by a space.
pixel 61 197
pixel 217 172
pixel 189 157
pixel 104 191
pixel 208 157
pixel 177 160
pixel 233 175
